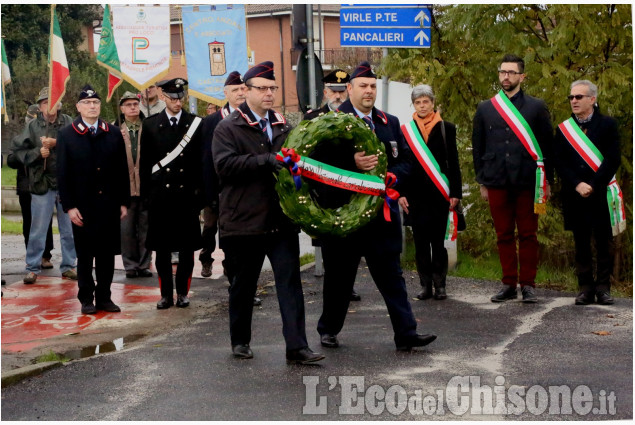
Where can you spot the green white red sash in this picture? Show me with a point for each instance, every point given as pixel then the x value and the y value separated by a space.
pixel 431 167
pixel 592 156
pixel 523 131
pixel 343 179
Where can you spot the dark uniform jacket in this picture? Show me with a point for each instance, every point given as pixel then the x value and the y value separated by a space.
pixel 249 203
pixel 209 173
pixel 424 197
pixel 92 176
pixel 579 211
pixel 378 233
pixel 500 159
pixel 175 192
pixel 310 114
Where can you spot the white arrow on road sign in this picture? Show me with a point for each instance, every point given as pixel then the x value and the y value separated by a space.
pixel 421 17
pixel 421 36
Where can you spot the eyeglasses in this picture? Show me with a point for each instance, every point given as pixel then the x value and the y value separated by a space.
pixel 577 96
pixel 264 89
pixel 90 102
pixel 510 73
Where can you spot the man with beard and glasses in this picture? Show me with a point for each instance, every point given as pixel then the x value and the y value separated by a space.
pixel 334 93
pixel 512 143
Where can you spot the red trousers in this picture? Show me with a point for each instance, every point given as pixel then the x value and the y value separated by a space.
pixel 514 208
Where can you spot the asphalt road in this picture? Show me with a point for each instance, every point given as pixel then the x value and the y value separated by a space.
pixel 510 352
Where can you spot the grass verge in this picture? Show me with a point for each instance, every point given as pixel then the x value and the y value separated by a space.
pixel 8 175
pixel 306 259
pixel 11 227
pixel 51 357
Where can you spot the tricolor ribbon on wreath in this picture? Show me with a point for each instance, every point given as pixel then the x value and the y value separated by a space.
pixel 592 156
pixel 301 166
pixel 431 167
pixel 522 130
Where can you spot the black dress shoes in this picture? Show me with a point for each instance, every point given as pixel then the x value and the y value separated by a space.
pixel 507 293
pixel 440 294
pixel 408 342
pixel 355 296
pixel 182 301
pixel 144 273
pixel 604 298
pixel 164 303
pixel 529 294
pixel 303 356
pixel 257 301
pixel 242 351
pixel 584 298
pixel 330 341
pixel 88 308
pixel 426 292
pixel 131 274
pixel 108 306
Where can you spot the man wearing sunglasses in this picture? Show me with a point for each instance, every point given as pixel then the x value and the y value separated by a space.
pixel 512 143
pixel 252 224
pixel 588 152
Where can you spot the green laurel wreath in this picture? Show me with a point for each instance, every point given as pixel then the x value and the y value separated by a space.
pixel 337 128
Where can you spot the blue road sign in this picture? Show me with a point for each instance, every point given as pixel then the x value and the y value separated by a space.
pixel 385 37
pixel 385 26
pixel 386 16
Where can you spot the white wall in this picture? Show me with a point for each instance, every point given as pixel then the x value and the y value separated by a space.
pixel 399 103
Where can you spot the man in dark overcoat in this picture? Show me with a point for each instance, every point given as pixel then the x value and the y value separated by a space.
pixel 507 173
pixel 252 224
pixel 584 192
pixel 379 242
pixel 92 177
pixel 171 177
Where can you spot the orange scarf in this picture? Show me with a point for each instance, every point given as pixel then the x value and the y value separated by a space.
pixel 426 124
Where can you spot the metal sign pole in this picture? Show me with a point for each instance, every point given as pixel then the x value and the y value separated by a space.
pixel 310 53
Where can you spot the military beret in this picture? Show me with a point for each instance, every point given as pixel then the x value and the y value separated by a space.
pixel 363 70
pixel 127 96
pixel 336 80
pixel 234 79
pixel 88 93
pixel 263 70
pixel 174 88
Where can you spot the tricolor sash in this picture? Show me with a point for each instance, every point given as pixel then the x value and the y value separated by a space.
pixel 431 167
pixel 523 131
pixel 592 156
pixel 343 179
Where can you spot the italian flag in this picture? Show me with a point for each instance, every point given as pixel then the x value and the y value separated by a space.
pixel 6 79
pixel 58 66
pixel 107 55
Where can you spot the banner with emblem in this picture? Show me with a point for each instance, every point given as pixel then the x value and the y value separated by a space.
pixel 215 45
pixel 142 37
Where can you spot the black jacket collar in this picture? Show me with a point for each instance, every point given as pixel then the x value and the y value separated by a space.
pixel 378 115
pixel 81 128
pixel 274 117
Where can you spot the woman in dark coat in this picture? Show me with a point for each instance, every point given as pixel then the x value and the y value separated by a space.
pixel 426 208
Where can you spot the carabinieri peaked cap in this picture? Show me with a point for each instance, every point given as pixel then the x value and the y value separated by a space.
pixel 174 88
pixel 336 80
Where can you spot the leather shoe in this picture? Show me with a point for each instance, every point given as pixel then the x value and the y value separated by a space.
pixel 242 351
pixel 355 296
pixel 108 306
pixel 507 293
pixel 88 308
pixel 417 340
pixel 426 292
pixel 182 301
pixel 584 298
pixel 529 294
pixel 206 271
pixel 46 263
pixel 440 294
pixel 131 274
pixel 303 356
pixel 330 341
pixel 164 303
pixel 257 301
pixel 604 298
pixel 144 273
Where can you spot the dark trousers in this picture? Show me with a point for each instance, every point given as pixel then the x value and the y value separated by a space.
pixel 430 253
pixel 600 231
pixel 514 208
pixel 341 260
pixel 210 226
pixel 25 206
pixel 244 256
pixel 184 270
pixel 104 271
pixel 134 229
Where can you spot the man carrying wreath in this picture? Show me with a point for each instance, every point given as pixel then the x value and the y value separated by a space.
pixel 379 242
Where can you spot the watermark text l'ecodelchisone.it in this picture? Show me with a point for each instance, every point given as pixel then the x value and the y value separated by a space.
pixel 462 395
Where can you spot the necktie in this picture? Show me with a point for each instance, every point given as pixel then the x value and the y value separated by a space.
pixel 173 119
pixel 263 126
pixel 369 122
pixel 93 131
